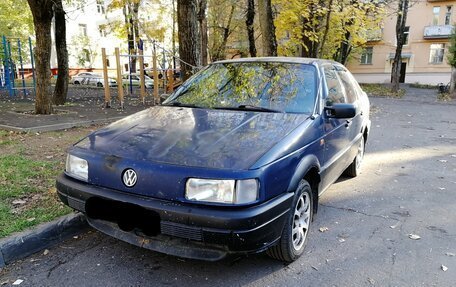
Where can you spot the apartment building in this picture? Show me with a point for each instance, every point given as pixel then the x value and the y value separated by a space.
pixel 91 27
pixel 424 55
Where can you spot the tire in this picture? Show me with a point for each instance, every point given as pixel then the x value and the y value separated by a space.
pixel 295 232
pixel 100 85
pixel 77 83
pixel 354 168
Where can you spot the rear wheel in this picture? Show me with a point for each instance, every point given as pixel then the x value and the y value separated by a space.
pixel 77 83
pixel 100 85
pixel 354 168
pixel 294 235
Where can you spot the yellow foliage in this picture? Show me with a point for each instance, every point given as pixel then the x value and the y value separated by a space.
pixel 347 17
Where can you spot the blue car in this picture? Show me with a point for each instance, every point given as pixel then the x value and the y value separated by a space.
pixel 232 163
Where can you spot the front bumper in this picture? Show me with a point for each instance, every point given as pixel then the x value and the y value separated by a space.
pixel 186 230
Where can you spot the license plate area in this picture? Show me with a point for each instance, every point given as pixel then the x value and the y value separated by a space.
pixel 129 217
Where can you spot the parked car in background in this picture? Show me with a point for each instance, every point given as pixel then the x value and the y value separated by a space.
pixel 135 80
pixel 150 72
pixel 92 79
pixel 234 161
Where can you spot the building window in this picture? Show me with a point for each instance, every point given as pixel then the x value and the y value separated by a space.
pixel 406 34
pixel 83 30
pixel 366 56
pixel 448 15
pixel 437 52
pixel 100 6
pixel 435 18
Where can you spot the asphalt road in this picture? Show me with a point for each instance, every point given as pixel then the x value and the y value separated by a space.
pixel 408 186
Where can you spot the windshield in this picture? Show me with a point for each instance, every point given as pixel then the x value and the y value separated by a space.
pixel 283 87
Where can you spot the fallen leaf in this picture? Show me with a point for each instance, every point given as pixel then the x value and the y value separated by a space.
pixel 443 160
pixel 450 254
pixel 442 188
pixel 371 281
pixel 341 240
pixel 315 268
pixel 414 236
pixel 30 219
pixel 444 268
pixel 18 282
pixel 46 252
pixel 49 156
pixel 323 229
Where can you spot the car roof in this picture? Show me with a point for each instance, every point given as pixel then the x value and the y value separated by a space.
pixel 297 60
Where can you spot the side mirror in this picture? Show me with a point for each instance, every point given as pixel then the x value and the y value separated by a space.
pixel 341 111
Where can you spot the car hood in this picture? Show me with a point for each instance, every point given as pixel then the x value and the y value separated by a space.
pixel 194 137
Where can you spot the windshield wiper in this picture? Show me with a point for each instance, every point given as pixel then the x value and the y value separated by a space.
pixel 249 108
pixel 179 104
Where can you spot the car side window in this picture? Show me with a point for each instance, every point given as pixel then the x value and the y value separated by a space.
pixel 350 90
pixel 336 91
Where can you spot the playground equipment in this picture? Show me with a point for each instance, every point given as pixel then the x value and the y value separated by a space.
pixel 167 80
pixel 10 73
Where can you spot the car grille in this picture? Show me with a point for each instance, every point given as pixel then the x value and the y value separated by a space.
pixel 182 231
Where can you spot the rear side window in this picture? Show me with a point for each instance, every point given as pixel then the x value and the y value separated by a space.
pixel 336 91
pixel 350 89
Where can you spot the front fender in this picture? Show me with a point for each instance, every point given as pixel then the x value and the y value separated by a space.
pixel 304 166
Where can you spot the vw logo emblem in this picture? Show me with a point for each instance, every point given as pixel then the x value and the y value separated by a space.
pixel 129 177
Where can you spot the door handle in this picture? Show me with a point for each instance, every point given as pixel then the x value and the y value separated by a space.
pixel 348 123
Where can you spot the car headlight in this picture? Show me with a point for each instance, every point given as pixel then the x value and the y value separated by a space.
pixel 222 190
pixel 77 167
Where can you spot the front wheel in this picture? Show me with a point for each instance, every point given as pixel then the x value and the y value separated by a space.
pixel 294 235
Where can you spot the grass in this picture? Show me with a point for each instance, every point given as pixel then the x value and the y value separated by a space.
pixel 444 97
pixel 29 164
pixel 381 90
pixel 423 86
pixel 29 181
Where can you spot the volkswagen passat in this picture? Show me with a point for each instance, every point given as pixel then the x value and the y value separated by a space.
pixel 233 162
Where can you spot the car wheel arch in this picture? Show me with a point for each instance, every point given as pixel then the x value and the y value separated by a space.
pixel 308 169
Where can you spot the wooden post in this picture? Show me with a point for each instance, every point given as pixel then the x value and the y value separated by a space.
pixel 170 80
pixel 142 92
pixel 156 80
pixel 106 79
pixel 119 80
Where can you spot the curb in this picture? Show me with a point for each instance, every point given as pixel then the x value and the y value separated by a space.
pixel 25 243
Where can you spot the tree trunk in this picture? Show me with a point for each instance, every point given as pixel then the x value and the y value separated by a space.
pixel 400 27
pixel 131 14
pixel 189 36
pixel 267 28
pixel 174 35
pixel 203 28
pixel 61 86
pixel 310 46
pixel 452 90
pixel 42 18
pixel 249 21
pixel 325 34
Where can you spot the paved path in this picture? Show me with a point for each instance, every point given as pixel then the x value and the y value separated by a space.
pixel 408 186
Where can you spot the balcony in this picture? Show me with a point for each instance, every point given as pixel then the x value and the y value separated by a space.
pixel 374 35
pixel 437 32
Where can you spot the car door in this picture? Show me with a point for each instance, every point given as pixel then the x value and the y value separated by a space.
pixel 356 123
pixel 337 143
